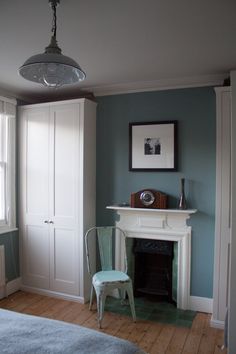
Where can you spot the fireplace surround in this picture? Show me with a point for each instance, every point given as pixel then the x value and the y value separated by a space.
pixel 160 224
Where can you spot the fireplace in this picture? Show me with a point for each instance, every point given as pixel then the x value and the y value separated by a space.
pixel 153 264
pixel 164 225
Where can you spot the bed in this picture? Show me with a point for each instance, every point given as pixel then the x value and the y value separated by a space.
pixel 20 333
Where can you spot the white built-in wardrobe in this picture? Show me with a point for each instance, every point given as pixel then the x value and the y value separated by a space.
pixel 223 205
pixel 57 195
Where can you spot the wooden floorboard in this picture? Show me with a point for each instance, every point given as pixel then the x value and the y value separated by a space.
pixel 152 337
pixel 177 341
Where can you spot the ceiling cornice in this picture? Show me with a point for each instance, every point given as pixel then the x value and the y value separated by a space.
pixel 159 85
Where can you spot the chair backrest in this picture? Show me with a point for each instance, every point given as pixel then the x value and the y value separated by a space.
pixel 106 240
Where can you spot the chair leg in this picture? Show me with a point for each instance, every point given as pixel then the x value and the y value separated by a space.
pixel 131 300
pixel 101 308
pixel 122 293
pixel 101 298
pixel 91 298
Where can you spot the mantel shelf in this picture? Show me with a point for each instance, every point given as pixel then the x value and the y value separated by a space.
pixel 170 211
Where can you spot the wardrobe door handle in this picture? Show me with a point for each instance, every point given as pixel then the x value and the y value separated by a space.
pixel 46 221
pixel 51 222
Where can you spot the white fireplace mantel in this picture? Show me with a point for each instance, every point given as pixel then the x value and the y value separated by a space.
pixel 161 224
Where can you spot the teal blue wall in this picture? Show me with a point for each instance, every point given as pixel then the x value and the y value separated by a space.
pixel 11 242
pixel 194 109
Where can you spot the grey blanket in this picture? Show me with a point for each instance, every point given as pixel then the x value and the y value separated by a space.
pixel 21 333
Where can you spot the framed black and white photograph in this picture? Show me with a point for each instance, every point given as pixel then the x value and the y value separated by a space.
pixel 153 146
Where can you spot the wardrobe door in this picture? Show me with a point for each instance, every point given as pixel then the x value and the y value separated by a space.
pixel 64 195
pixel 34 187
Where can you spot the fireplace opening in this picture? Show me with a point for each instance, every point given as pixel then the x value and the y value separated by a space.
pixel 153 269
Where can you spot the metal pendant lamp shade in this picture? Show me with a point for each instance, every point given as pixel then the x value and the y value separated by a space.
pixel 52 68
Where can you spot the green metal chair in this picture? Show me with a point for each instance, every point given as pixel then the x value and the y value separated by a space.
pixel 108 279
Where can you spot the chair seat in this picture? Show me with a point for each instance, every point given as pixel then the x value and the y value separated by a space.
pixel 111 276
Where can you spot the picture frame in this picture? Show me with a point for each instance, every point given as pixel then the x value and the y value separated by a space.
pixel 153 146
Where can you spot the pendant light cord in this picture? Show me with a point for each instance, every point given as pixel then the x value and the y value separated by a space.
pixel 54 21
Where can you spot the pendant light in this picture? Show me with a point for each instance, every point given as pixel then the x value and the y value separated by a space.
pixel 52 68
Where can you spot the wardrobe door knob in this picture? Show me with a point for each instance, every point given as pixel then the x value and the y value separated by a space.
pixel 46 221
pixel 51 222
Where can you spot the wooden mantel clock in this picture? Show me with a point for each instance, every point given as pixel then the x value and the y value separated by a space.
pixel 148 198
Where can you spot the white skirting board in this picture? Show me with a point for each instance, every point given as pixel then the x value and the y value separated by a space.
pixel 13 286
pixel 217 324
pixel 200 304
pixel 52 294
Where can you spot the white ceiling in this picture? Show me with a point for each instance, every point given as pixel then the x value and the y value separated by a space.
pixel 121 45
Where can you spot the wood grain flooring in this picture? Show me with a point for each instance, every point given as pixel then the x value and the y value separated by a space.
pixel 152 337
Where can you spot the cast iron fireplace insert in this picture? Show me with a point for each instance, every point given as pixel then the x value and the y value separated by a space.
pixel 153 269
